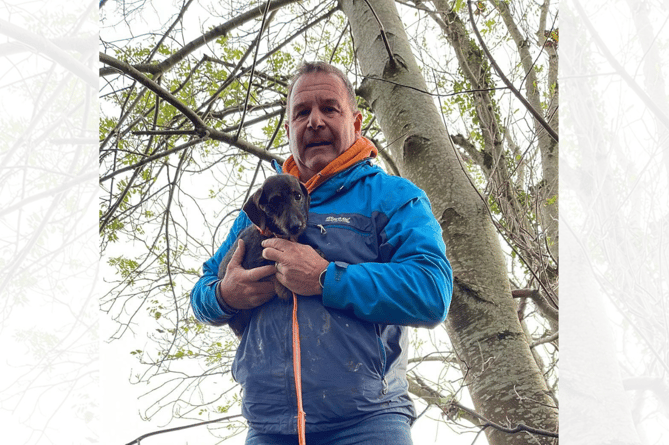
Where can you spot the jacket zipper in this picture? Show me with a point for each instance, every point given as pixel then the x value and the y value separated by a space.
pixel 382 351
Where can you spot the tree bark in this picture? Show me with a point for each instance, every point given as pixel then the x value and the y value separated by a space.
pixel 502 376
pixel 492 159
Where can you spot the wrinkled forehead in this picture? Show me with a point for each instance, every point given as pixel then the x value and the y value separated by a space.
pixel 318 87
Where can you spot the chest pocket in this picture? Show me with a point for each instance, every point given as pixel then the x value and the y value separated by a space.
pixel 347 237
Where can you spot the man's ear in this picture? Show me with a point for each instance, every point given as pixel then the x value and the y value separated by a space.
pixel 253 209
pixel 287 128
pixel 357 124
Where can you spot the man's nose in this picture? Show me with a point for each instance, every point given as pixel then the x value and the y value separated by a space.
pixel 315 120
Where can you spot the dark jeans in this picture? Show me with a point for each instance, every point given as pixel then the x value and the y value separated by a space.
pixel 383 429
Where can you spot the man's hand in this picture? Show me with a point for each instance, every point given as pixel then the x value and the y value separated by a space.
pixel 240 288
pixel 298 266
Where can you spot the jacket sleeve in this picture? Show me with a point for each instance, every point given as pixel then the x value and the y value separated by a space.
pixel 203 296
pixel 413 288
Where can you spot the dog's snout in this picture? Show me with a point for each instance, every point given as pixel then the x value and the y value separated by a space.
pixel 295 225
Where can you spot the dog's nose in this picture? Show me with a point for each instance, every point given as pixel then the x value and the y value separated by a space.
pixel 295 225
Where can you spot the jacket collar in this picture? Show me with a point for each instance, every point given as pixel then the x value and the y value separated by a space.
pixel 361 150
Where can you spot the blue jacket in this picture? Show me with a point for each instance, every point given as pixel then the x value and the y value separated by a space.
pixel 388 270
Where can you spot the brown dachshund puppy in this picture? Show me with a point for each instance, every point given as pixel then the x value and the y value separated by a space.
pixel 280 208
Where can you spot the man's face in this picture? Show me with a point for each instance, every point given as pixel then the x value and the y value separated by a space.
pixel 321 124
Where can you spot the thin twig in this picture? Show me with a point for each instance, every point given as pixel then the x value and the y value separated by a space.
pixel 548 339
pixel 473 90
pixel 168 261
pixel 507 82
pixel 450 406
pixel 180 17
pixel 263 25
pixel 179 428
pixel 520 427
pixel 492 218
pixel 334 50
pixel 267 147
pixel 214 33
pixel 163 132
pixel 233 75
pixel 150 158
pixel 132 72
pixel 384 37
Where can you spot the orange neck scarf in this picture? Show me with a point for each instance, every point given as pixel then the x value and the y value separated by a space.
pixel 362 149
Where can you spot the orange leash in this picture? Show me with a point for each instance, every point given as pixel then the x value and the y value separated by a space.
pixel 297 370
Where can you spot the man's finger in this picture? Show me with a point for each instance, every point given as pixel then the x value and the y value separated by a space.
pixel 238 255
pixel 279 244
pixel 276 248
pixel 261 272
pixel 271 254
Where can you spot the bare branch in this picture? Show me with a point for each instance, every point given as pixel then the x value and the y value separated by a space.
pixel 542 304
pixel 171 430
pixel 506 81
pixel 519 428
pixel 132 72
pixel 384 37
pixel 218 31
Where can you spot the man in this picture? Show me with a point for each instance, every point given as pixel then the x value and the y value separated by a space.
pixel 385 269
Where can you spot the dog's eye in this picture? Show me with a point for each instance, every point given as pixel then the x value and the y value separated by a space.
pixel 297 196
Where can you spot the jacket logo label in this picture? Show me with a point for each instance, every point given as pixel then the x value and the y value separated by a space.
pixel 338 219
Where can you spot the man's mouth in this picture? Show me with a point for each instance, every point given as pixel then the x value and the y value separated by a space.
pixel 318 144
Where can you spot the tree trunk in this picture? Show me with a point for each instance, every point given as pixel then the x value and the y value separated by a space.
pixel 502 377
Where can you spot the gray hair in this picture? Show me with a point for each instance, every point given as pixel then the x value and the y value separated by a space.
pixel 322 67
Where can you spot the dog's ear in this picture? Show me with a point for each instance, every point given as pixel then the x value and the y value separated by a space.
pixel 253 209
pixel 305 192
